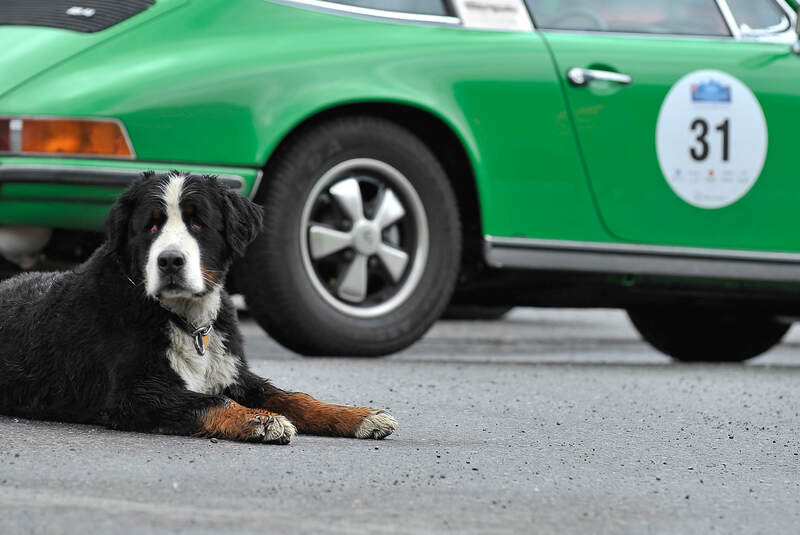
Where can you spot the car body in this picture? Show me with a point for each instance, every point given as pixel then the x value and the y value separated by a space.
pixel 550 121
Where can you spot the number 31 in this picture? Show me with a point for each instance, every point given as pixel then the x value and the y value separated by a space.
pixel 701 153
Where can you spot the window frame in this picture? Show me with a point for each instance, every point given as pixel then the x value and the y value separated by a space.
pixel 332 6
pixel 764 34
pixel 456 19
pixel 789 36
pixel 720 4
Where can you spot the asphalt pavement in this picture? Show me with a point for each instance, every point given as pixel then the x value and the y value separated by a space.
pixel 550 421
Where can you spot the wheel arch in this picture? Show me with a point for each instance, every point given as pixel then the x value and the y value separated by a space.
pixel 437 134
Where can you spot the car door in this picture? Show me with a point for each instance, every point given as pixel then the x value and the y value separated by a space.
pixel 686 117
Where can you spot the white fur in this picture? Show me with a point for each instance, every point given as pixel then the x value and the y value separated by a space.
pixel 216 369
pixel 174 235
pixel 209 373
pixel 275 429
pixel 199 311
pixel 378 424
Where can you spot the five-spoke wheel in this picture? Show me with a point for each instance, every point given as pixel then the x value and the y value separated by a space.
pixel 367 237
pixel 361 242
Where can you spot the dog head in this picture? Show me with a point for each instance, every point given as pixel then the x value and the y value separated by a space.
pixel 179 233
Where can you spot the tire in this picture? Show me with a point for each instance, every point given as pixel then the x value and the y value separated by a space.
pixel 475 312
pixel 707 335
pixel 362 299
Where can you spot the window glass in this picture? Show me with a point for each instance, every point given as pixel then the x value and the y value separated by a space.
pixel 674 17
pixel 423 7
pixel 759 15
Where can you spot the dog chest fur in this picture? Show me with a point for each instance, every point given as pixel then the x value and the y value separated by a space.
pixel 209 373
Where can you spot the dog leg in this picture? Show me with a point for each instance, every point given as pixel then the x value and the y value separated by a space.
pixel 309 415
pixel 232 421
pixel 317 418
pixel 189 413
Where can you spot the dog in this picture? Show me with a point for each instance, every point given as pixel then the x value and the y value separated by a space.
pixel 143 337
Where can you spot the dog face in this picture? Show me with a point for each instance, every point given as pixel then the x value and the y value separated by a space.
pixel 178 233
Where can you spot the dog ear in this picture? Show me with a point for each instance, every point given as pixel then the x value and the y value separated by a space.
pixel 117 223
pixel 243 220
pixel 116 228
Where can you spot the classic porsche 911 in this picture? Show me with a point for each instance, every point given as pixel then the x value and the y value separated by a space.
pixel 410 153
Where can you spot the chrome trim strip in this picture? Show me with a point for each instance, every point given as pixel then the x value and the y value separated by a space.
pixel 234 182
pixel 786 35
pixel 634 248
pixel 644 35
pixel 730 20
pixel 256 185
pixel 791 13
pixel 635 259
pixel 333 7
pixel 87 176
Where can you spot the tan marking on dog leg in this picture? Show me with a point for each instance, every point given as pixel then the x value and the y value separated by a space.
pixel 235 422
pixel 317 418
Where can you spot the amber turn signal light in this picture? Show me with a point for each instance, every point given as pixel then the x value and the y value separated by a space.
pixel 74 136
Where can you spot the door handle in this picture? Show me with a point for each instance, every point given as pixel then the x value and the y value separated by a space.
pixel 580 77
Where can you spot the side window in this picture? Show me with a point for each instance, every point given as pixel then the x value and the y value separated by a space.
pixel 759 16
pixel 422 7
pixel 671 17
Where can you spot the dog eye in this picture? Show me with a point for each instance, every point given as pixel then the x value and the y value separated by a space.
pixel 156 218
pixel 196 227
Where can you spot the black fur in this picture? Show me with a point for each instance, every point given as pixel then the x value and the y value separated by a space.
pixel 89 346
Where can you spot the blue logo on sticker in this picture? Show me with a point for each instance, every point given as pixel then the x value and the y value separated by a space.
pixel 711 91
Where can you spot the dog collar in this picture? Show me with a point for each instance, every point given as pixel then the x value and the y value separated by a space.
pixel 201 336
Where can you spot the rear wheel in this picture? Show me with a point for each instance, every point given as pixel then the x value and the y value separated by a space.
pixel 361 241
pixel 707 335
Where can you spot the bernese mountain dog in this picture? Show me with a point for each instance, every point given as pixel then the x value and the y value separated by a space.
pixel 143 337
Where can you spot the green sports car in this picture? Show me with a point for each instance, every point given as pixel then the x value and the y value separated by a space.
pixel 412 153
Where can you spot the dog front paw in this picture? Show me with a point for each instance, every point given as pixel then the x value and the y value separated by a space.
pixel 377 424
pixel 272 429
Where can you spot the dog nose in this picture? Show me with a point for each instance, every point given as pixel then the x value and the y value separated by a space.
pixel 171 262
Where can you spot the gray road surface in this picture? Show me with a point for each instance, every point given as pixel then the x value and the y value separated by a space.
pixel 547 422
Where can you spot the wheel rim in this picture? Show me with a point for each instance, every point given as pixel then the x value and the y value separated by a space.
pixel 364 237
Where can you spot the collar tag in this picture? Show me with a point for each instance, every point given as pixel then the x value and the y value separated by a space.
pixel 200 335
pixel 201 338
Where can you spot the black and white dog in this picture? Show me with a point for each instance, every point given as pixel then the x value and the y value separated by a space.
pixel 142 336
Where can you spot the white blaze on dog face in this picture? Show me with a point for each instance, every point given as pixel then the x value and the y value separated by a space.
pixel 174 237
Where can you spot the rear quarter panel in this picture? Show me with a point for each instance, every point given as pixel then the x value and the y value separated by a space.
pixel 223 82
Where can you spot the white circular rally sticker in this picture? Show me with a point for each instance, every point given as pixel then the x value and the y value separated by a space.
pixel 711 139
